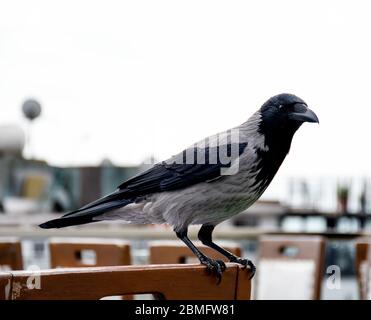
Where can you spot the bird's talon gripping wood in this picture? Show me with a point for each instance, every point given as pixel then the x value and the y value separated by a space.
pixel 252 269
pixel 245 263
pixel 202 185
pixel 216 267
pixel 222 265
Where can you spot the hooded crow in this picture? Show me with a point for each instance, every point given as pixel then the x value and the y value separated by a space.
pixel 209 182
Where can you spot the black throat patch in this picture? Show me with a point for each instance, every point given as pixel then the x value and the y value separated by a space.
pixel 278 136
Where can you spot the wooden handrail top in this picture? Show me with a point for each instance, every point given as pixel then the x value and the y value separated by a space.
pixel 133 268
pixel 169 281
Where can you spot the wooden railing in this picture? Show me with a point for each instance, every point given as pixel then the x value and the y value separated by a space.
pixel 171 282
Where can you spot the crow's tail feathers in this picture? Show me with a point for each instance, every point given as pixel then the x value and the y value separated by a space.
pixel 66 222
pixel 87 213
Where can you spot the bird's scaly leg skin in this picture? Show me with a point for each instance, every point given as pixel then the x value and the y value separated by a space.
pixel 205 236
pixel 216 267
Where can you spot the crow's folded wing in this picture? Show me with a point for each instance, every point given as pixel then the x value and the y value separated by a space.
pixel 172 175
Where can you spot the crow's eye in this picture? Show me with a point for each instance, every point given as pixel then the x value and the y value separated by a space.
pixel 286 107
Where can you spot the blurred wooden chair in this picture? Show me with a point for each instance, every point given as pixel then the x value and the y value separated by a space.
pixel 299 262
pixel 175 252
pixel 171 282
pixel 363 267
pixel 82 252
pixel 10 254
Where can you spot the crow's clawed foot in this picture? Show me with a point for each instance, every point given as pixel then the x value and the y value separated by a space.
pixel 246 263
pixel 216 267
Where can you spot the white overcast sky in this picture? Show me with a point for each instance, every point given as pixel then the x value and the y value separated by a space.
pixel 124 79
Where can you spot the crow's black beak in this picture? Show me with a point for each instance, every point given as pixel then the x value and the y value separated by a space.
pixel 303 114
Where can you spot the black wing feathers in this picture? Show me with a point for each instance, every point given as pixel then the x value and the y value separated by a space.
pixel 172 176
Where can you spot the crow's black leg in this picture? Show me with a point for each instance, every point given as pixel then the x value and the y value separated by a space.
pixel 215 266
pixel 205 236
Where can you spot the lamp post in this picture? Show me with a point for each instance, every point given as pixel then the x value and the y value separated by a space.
pixel 31 110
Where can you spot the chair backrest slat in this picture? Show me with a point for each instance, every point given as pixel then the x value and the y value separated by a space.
pixel 362 264
pixel 69 253
pixel 10 254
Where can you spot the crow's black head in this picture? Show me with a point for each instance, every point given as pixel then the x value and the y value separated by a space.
pixel 285 113
pixel 281 116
